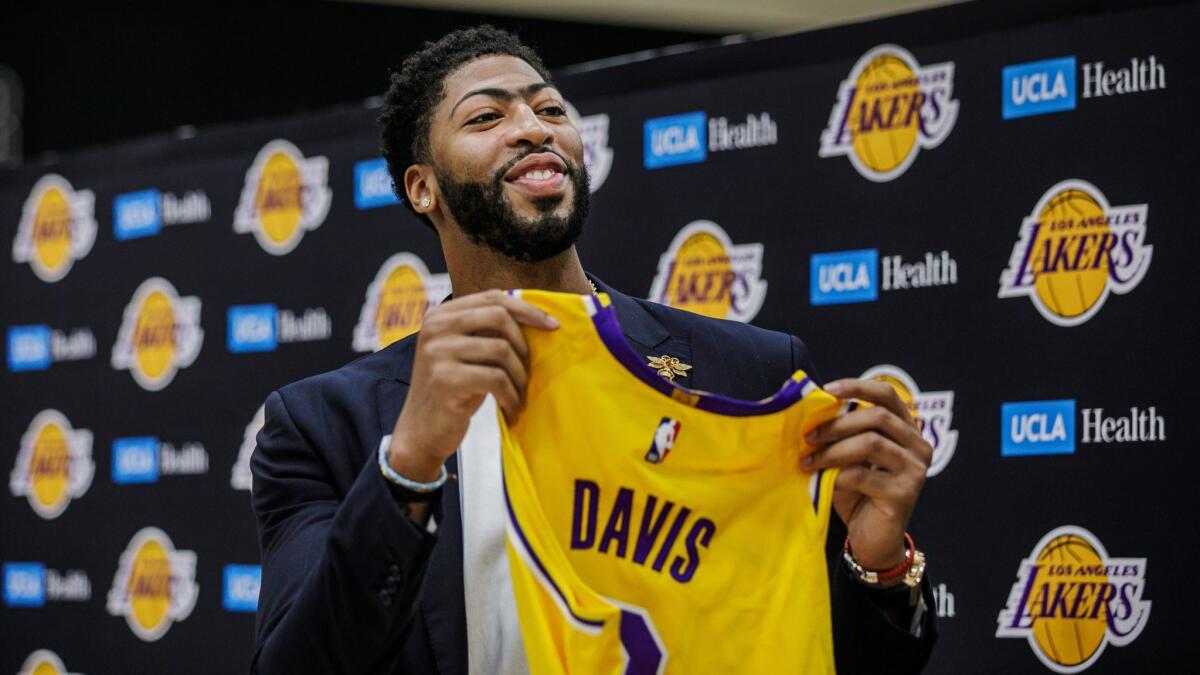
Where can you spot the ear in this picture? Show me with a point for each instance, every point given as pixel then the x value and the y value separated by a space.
pixel 420 187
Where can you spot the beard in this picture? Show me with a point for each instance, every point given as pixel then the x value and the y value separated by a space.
pixel 486 216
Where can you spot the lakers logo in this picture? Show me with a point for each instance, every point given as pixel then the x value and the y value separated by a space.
pixel 43 662
pixel 704 272
pixel 597 155
pixel 154 586
pixel 888 110
pixel 241 479
pixel 160 333
pixel 58 227
pixel 403 290
pixel 285 195
pixel 54 464
pixel 933 412
pixel 1075 249
pixel 1072 599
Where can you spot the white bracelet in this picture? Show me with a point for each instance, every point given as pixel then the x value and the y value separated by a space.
pixel 403 482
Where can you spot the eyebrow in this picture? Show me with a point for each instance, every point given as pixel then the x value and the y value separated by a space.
pixel 503 94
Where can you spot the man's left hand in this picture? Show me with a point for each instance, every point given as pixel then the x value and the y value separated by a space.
pixel 883 460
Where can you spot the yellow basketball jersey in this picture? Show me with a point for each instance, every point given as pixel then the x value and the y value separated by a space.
pixel 656 529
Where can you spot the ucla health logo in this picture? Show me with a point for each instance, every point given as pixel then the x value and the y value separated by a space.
pixel 240 588
pixel 396 302
pixel 1074 250
pixel 143 213
pixel 43 662
pixel 160 333
pixel 143 459
pixel 1037 428
pixel 54 464
pixel 1038 87
pixel 155 585
pixel 888 110
pixel 855 276
pixel 704 272
pixel 241 478
pixel 688 138
pixel 933 411
pixel 373 185
pixel 597 156
pixel 1072 599
pixel 285 195
pixel 261 328
pixel 32 584
pixel 58 227
pixel 36 347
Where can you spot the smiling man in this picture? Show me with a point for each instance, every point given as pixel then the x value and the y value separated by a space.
pixel 361 533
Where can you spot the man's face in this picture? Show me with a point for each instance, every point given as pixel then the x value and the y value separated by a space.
pixel 507 160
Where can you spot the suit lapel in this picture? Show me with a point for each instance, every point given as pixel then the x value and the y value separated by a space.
pixel 646 334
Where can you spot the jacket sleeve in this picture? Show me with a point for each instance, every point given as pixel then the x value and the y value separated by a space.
pixel 868 638
pixel 341 568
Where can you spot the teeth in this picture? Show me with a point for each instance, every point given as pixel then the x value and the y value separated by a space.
pixel 542 174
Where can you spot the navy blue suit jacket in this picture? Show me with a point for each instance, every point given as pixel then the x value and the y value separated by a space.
pixel 351 585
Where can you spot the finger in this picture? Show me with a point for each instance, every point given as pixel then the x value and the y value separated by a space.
pixel 867 448
pixel 488 351
pixel 478 379
pixel 871 391
pixel 490 320
pixel 875 485
pixel 520 310
pixel 877 419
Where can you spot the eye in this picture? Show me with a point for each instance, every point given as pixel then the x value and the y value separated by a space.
pixel 553 111
pixel 485 117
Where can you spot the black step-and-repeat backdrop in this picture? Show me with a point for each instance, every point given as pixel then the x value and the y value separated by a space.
pixel 999 222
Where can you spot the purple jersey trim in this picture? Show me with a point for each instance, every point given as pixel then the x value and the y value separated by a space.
pixel 609 330
pixel 516 524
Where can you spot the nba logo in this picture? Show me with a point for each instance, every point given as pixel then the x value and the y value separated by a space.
pixel 664 439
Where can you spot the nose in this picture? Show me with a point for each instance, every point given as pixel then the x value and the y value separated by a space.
pixel 528 129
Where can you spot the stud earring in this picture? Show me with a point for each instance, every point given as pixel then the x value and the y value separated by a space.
pixel 425 203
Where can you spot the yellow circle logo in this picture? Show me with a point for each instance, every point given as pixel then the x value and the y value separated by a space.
pixel 160 334
pixel 54 464
pixel 888 109
pixel 285 195
pixel 43 662
pixel 1072 599
pixel 1073 250
pixel 704 272
pixel 933 411
pixel 58 227
pixel 403 290
pixel 155 585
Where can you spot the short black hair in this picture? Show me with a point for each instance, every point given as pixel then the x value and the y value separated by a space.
pixel 419 84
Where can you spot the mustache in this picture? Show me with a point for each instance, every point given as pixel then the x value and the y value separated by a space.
pixel 503 171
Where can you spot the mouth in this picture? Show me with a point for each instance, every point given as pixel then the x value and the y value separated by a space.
pixel 539 175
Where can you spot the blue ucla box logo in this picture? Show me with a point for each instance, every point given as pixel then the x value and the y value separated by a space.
pixel 24 584
pixel 137 214
pixel 678 139
pixel 241 588
pixel 29 348
pixel 844 276
pixel 252 328
pixel 1037 428
pixel 135 460
pixel 1038 87
pixel 373 184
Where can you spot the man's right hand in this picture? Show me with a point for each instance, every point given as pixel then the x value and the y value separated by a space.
pixel 468 348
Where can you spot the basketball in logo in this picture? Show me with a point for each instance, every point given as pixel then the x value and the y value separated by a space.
pixel 1072 599
pixel 887 110
pixel 58 227
pixel 54 464
pixel 933 411
pixel 285 195
pixel 704 272
pixel 155 585
pixel 1073 250
pixel 160 333
pixel 396 302
pixel 43 662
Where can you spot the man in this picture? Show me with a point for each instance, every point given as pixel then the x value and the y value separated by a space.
pixel 363 572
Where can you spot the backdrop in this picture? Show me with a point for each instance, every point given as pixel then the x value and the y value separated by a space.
pixel 982 207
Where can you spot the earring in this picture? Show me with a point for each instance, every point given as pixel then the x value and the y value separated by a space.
pixel 425 203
